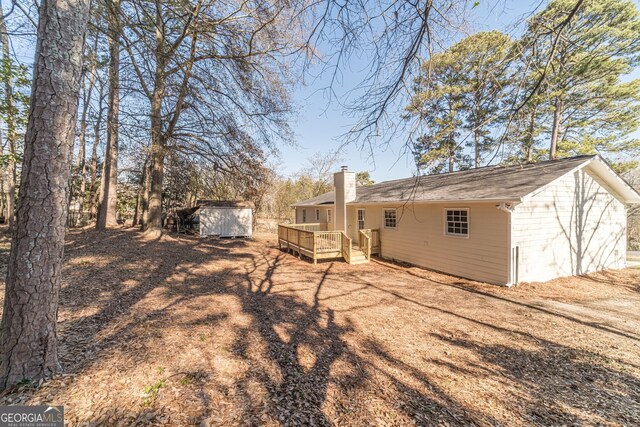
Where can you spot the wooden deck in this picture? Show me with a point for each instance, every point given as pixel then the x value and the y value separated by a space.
pixel 315 242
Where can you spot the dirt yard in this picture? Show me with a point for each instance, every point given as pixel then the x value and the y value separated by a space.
pixel 179 331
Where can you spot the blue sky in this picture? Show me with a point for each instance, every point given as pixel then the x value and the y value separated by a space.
pixel 319 125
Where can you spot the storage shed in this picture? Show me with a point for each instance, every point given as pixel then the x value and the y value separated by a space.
pixel 225 218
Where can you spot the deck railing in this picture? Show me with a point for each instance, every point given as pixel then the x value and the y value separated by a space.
pixel 369 242
pixel 376 247
pixel 317 226
pixel 365 243
pixel 317 244
pixel 328 241
pixel 346 247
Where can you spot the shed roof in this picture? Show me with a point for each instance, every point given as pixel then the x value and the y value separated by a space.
pixel 225 203
pixel 491 183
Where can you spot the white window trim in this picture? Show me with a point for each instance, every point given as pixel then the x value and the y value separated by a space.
pixel 444 223
pixel 384 222
pixel 364 218
pixel 329 214
pixel 317 215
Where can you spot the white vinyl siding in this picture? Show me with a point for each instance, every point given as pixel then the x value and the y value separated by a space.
pixel 572 226
pixel 418 239
pixel 322 214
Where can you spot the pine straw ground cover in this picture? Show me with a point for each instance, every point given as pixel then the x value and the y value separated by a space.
pixel 181 331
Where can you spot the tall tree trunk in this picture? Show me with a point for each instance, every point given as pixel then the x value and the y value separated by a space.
pixel 93 168
pixel 28 338
pixel 452 153
pixel 81 162
pixel 530 139
pixel 159 135
pixel 3 199
pixel 140 196
pixel 477 100
pixel 153 225
pixel 153 220
pixel 108 192
pixel 555 130
pixel 12 137
pixel 145 196
pixel 476 142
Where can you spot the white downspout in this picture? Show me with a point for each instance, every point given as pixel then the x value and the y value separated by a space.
pixel 511 265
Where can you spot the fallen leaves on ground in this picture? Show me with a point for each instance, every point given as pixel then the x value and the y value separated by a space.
pixel 187 331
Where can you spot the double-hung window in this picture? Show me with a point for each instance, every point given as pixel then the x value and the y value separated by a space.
pixel 317 215
pixel 304 216
pixel 360 219
pixel 457 222
pixel 390 218
pixel 329 216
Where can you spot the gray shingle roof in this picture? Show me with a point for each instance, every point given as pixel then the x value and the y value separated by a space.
pixel 487 183
pixel 225 203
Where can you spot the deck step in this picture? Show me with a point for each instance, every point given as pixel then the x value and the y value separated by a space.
pixel 358 257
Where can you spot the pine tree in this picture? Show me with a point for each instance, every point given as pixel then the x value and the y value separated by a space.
pixel 486 78
pixel 589 108
pixel 459 98
pixel 28 338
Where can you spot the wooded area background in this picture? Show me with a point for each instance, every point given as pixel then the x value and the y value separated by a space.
pixel 183 101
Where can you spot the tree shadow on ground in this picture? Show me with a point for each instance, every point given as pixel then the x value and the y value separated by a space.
pixel 131 272
pixel 307 353
pixel 606 279
pixel 303 343
pixel 307 363
pixel 556 384
pixel 560 385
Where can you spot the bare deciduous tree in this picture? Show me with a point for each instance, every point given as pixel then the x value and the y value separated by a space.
pixel 107 206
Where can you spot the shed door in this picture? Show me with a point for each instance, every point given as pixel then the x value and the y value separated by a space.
pixel 236 222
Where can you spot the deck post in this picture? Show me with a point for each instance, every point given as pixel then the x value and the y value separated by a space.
pixel 288 248
pixel 315 260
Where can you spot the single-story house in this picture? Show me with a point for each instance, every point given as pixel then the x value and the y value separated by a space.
pixel 496 224
pixel 225 218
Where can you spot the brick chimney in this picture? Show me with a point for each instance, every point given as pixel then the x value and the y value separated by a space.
pixel 344 183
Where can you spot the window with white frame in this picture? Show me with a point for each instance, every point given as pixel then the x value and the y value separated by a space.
pixel 304 215
pixel 317 215
pixel 329 216
pixel 360 219
pixel 457 222
pixel 390 218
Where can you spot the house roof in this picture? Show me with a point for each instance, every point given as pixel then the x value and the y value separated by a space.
pixel 491 183
pixel 323 199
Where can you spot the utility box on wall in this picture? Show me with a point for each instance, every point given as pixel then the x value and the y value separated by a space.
pixel 225 219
